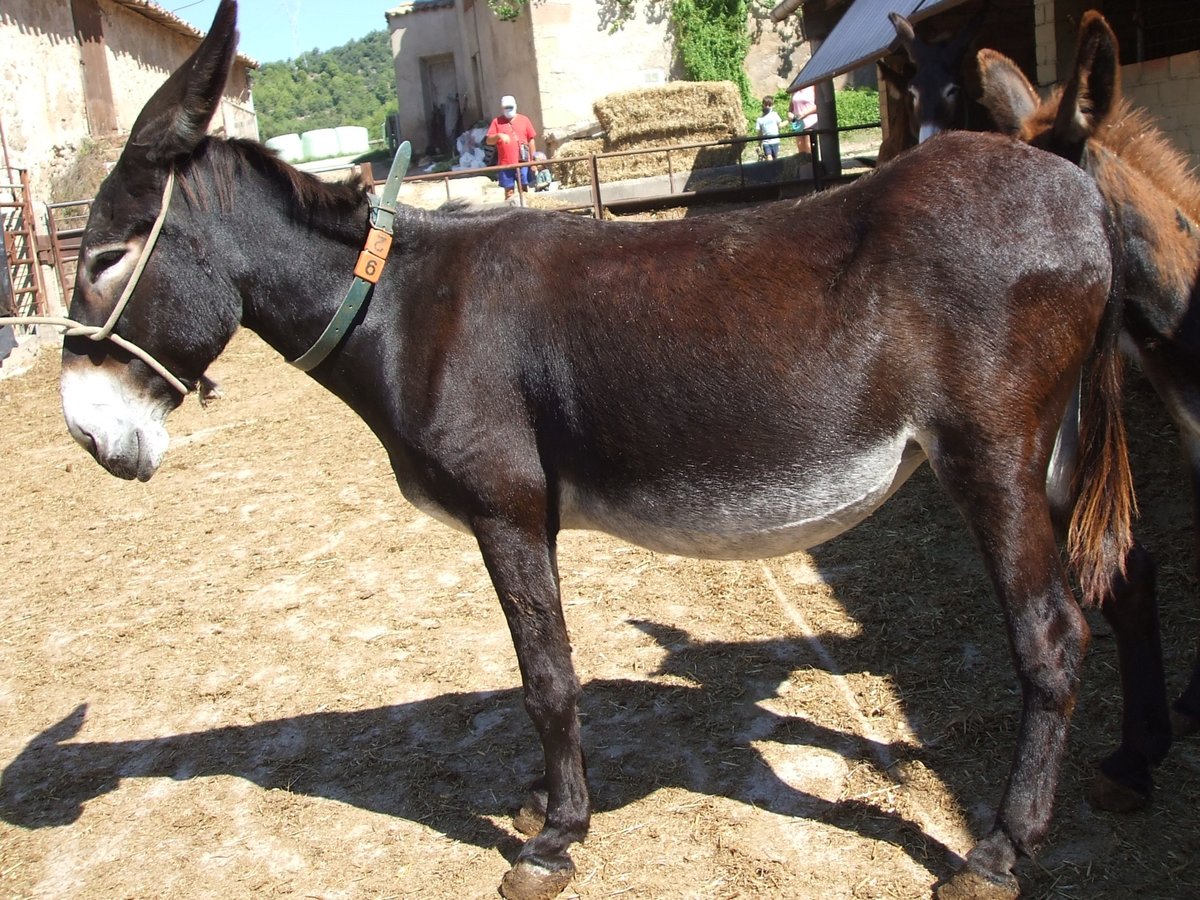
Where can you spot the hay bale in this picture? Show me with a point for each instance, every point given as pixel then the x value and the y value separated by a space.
pixel 684 112
pixel 645 165
pixel 573 174
pixel 680 107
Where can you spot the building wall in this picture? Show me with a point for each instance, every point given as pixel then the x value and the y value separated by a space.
pixel 777 52
pixel 41 89
pixel 558 57
pixel 142 54
pixel 579 61
pixel 416 35
pixel 506 60
pixel 1170 89
pixel 41 93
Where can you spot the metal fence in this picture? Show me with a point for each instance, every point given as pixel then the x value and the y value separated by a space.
pixel 751 179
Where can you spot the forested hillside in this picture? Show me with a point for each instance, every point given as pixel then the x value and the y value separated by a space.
pixel 349 85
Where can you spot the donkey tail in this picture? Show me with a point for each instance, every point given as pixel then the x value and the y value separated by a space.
pixel 1100 534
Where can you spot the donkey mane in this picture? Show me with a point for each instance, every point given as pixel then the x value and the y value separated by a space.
pixel 1132 134
pixel 332 207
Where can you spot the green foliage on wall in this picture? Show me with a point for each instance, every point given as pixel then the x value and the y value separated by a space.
pixel 506 10
pixel 857 106
pixel 712 38
pixel 353 84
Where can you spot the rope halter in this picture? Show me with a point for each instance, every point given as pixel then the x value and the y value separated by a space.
pixel 106 332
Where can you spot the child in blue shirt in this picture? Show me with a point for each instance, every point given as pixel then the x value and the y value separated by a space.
pixel 767 125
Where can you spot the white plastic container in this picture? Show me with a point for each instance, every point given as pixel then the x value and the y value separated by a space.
pixel 352 140
pixel 288 146
pixel 319 143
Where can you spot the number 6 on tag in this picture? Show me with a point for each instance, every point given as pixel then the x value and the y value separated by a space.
pixel 369 267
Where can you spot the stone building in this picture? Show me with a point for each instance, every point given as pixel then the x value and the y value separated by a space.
pixel 73 70
pixel 454 59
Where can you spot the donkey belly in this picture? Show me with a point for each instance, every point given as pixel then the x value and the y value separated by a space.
pixel 766 513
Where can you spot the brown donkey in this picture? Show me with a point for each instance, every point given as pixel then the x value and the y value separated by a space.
pixel 665 382
pixel 1155 199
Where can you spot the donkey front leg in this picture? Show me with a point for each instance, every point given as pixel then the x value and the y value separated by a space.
pixel 521 563
pixel 1047 637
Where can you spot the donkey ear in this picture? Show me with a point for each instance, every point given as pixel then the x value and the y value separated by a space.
pixel 1007 94
pixel 905 34
pixel 1091 91
pixel 176 118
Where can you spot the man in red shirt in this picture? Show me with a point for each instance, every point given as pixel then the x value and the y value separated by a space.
pixel 513 136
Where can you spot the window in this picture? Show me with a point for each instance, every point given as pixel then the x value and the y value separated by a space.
pixel 1150 29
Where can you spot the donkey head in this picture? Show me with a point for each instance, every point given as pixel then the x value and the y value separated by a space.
pixel 935 91
pixel 177 308
pixel 1064 123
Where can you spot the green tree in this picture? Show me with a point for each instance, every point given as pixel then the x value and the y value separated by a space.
pixel 353 84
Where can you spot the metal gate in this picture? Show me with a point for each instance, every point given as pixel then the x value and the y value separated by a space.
pixel 66 221
pixel 28 294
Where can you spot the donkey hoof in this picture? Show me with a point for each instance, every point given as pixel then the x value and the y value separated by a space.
pixel 971 884
pixel 537 879
pixel 1112 796
pixel 529 819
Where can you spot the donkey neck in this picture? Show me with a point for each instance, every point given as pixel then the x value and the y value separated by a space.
pixel 1161 241
pixel 296 240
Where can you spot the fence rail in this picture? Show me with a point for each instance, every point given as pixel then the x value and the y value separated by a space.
pixel 596 203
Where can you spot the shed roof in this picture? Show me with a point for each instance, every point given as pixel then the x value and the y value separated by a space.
pixel 863 34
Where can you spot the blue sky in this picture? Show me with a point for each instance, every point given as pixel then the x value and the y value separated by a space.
pixel 281 29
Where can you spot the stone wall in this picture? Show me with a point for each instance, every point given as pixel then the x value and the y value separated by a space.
pixel 42 93
pixel 1170 89
pixel 1167 87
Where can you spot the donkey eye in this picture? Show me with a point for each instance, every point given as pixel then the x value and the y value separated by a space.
pixel 951 91
pixel 104 261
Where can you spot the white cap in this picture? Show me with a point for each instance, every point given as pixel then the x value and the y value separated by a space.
pixel 508 101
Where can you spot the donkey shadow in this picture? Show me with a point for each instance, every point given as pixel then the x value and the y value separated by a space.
pixel 455 761
pixel 452 761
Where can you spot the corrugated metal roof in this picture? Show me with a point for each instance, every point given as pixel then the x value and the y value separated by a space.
pixel 863 34
pixel 172 22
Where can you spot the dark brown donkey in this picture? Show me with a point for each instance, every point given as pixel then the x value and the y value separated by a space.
pixel 931 97
pixel 665 382
pixel 1156 200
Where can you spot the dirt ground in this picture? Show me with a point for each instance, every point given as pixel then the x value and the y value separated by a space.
pixel 264 674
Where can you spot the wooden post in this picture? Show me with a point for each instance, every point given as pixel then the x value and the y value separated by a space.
pixel 93 60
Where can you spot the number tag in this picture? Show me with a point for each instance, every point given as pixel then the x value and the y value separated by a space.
pixel 369 267
pixel 370 261
pixel 379 242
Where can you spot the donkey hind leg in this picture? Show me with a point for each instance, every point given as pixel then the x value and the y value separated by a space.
pixel 521 563
pixel 1130 606
pixel 1186 709
pixel 1047 637
pixel 1124 782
